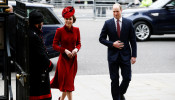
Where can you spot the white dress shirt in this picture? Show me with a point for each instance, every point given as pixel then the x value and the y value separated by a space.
pixel 120 23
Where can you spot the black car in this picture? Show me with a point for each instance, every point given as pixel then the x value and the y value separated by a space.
pixel 157 19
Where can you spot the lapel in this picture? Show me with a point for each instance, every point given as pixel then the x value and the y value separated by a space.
pixel 122 33
pixel 113 26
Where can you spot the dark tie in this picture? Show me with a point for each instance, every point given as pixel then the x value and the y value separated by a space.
pixel 118 28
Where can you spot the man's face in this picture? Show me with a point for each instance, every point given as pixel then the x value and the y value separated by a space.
pixel 117 12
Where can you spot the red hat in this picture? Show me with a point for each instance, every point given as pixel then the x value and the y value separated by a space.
pixel 68 12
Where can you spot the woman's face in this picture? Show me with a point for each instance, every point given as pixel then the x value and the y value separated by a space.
pixel 40 25
pixel 68 21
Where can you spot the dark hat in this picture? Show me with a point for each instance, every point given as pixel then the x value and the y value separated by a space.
pixel 68 12
pixel 36 17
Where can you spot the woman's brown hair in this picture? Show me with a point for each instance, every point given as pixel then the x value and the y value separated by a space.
pixel 74 19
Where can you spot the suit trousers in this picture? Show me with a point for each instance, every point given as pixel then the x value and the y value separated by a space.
pixel 118 89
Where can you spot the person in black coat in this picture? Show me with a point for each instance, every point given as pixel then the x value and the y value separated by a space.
pixel 122 50
pixel 39 63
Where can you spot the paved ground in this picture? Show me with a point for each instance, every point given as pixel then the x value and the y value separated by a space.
pixel 97 87
pixel 142 87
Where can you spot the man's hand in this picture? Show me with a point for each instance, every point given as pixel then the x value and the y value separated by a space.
pixel 118 44
pixel 74 52
pixel 133 60
pixel 69 54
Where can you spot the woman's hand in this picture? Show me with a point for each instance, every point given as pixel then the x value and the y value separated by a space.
pixel 69 54
pixel 74 52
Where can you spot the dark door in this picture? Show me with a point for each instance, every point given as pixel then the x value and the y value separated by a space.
pixel 22 65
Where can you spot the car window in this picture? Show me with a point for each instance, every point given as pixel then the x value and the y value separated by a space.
pixel 49 18
pixel 172 2
pixel 159 3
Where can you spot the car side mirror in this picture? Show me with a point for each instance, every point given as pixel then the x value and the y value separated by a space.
pixel 170 6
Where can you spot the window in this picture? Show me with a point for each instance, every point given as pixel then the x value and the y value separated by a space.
pixel 49 18
pixel 172 3
pixel 4 2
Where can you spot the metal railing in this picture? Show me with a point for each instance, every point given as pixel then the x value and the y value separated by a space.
pixel 86 8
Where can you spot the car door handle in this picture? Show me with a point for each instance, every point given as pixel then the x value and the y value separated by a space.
pixel 155 14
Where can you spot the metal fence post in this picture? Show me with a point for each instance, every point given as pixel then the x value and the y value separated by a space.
pixel 94 9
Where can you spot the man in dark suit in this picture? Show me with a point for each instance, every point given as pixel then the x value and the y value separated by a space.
pixel 122 50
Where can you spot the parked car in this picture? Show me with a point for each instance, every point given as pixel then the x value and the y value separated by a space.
pixel 157 19
pixel 51 23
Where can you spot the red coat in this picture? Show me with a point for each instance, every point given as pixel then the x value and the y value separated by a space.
pixel 66 67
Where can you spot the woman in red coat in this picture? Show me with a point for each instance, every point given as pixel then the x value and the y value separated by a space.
pixel 67 42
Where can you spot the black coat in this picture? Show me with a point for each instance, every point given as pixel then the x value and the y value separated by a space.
pixel 39 66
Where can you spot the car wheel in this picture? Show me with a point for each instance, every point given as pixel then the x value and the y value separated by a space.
pixel 142 30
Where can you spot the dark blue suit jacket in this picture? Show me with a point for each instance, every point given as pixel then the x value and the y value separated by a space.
pixel 127 36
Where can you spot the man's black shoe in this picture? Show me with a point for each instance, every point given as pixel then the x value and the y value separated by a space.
pixel 122 97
